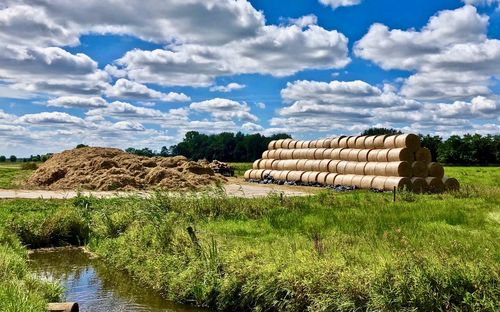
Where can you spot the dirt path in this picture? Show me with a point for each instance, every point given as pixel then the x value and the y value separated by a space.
pixel 247 190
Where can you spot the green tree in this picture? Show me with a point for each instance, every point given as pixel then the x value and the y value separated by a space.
pixel 378 131
pixel 432 143
pixel 13 158
pixel 3 158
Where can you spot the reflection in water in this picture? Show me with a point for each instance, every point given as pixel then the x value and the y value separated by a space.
pixel 95 287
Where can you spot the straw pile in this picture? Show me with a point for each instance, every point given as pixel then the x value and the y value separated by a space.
pixel 106 169
pixel 369 162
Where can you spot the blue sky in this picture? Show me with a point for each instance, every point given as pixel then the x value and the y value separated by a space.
pixel 142 73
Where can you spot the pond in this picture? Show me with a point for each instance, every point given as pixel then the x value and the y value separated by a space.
pixel 96 287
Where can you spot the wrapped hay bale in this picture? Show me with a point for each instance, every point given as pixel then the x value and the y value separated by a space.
pixel 274 174
pixel 373 155
pixel 275 165
pixel 419 185
pixel 366 181
pixel 285 143
pixel 347 180
pixel 336 153
pixel 351 142
pixel 363 155
pixel 398 169
pixel 378 142
pixel 435 185
pixel 267 163
pixel 343 142
pixel 380 168
pixel 310 177
pixel 360 142
pixel 435 170
pixel 327 143
pixel 310 153
pixel 350 168
pixel 356 180
pixel 279 165
pixel 321 178
pixel 400 154
pixel 266 173
pixel 400 183
pixel 256 163
pixel 295 176
pixel 271 145
pixel 419 169
pixel 390 141
pixel 287 154
pixel 320 143
pixel 279 144
pixel 257 174
pixel 247 173
pixel 323 165
pixel 369 142
pixel 292 144
pixel 301 165
pixel 360 168
pixel 382 155
pixel 265 155
pixel 330 179
pixel 423 154
pixel 313 144
pixel 271 154
pixel 327 153
pixel 311 165
pixel 335 143
pixel 379 183
pixel 410 141
pixel 332 166
pixel 344 154
pixel 341 166
pixel 290 164
pixel 450 184
pixel 318 154
pixel 353 154
pixel 370 168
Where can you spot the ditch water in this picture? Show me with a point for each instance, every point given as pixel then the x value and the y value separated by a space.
pixel 95 287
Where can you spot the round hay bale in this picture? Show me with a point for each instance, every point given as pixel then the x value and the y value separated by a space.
pixel 287 154
pixel 316 164
pixel 309 165
pixel 360 168
pixel 310 153
pixel 267 163
pixel 401 183
pixel 277 153
pixel 419 169
pixel 356 180
pixel 293 144
pixel 305 144
pixel 390 141
pixel 378 142
pixel 370 168
pixel 410 141
pixel 398 169
pixel 271 145
pixel 435 185
pixel 419 185
pixel 313 144
pixel 274 174
pixel 247 173
pixel 320 143
pixel 343 142
pixel 323 165
pixel 350 168
pixel 451 184
pixel 256 163
pixel 369 142
pixel 373 154
pixel 296 154
pixel 435 170
pixel 341 167
pixel 353 155
pixel 291 164
pixel 284 175
pixel 279 165
pixel 265 154
pixel 327 153
pixel 301 165
pixel 256 174
pixel 351 142
pixel 285 143
pixel 366 182
pixel 332 166
pixel 344 154
pixel 360 142
pixel 318 154
pixel 279 144
pixel 321 178
pixel 382 155
pixel 275 165
pixel 363 155
pixel 271 153
pixel 400 154
pixel 336 153
pixel 266 173
pixel 295 176
pixel 378 182
pixel 347 180
pixel 380 169
pixel 423 154
pixel 335 143
pixel 327 143
pixel 310 177
pixel 330 179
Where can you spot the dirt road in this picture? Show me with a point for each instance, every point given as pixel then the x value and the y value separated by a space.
pixel 247 190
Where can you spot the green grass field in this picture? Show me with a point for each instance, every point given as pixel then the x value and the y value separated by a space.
pixel 12 176
pixel 331 251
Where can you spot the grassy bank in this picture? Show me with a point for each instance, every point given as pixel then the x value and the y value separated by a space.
pixel 12 175
pixel 332 251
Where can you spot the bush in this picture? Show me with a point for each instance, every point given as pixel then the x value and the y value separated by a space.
pixel 29 166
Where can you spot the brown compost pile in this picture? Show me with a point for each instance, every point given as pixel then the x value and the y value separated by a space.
pixel 106 169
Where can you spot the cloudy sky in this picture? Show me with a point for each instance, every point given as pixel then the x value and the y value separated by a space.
pixel 142 73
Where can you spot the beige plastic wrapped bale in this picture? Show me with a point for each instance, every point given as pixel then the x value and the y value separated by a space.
pixel 276 165
pixel 360 142
pixel 285 143
pixel 265 155
pixel 350 168
pixel 321 178
pixel 267 163
pixel 378 142
pixel 247 173
pixel 353 154
pixel 379 182
pixel 343 142
pixel 450 184
pixel 419 185
pixel 291 164
pixel 266 173
pixel 435 170
pixel 344 154
pixel 435 185
pixel 400 154
pixel 398 169
pixel 347 180
pixel 287 154
pixel 351 143
pixel 341 167
pixel 370 168
pixel 309 165
pixel 327 143
pixel 366 182
pixel 419 169
pixel 310 153
pixel 279 165
pixel 390 141
pixel 382 155
pixel 332 166
pixel 293 144
pixel 323 165
pixel 335 143
pixel 318 154
pixel 330 179
pixel 356 180
pixel 423 154
pixel 256 163
pixel 410 141
pixel 336 153
pixel 373 155
pixel 360 168
pixel 400 183
pixel 295 176
pixel 274 174
pixel 296 154
pixel 280 175
pixel 271 145
pixel 314 144
pixel 363 155
pixel 380 168
pixel 279 144
pixel 301 165
pixel 320 143
pixel 369 142
pixel 327 153
pixel 310 177
pixel 256 174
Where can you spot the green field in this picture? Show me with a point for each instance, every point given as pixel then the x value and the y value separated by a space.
pixel 331 251
pixel 12 176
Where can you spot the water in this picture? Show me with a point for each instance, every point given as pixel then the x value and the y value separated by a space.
pixel 95 287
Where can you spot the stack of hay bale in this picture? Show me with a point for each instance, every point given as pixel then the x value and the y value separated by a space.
pixel 369 162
